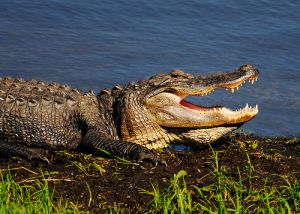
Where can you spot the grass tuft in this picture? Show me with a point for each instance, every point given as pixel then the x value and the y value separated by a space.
pixel 176 199
pixel 23 198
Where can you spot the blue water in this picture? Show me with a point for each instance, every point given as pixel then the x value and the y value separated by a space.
pixel 96 44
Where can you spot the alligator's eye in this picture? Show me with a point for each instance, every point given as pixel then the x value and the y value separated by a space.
pixel 247 67
pixel 177 73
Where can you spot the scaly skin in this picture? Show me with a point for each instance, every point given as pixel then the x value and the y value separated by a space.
pixel 128 121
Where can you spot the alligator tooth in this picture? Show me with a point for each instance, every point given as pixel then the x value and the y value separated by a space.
pixel 247 106
pixel 237 88
pixel 252 82
pixel 232 90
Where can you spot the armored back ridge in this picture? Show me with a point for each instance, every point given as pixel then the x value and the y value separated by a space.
pixel 129 121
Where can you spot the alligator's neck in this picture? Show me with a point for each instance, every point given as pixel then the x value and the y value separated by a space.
pixel 136 125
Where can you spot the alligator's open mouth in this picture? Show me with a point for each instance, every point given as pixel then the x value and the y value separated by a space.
pixel 233 87
pixel 236 116
pixel 172 110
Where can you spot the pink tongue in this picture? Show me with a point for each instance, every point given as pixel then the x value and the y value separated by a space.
pixel 192 106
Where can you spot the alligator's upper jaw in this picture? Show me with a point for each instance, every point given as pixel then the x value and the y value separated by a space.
pixel 171 110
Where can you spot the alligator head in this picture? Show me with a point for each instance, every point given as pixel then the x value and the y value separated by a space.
pixel 154 112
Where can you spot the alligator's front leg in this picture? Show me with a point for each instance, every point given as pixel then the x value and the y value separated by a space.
pixel 96 143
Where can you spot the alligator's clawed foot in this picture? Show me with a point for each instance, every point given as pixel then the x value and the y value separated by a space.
pixel 43 159
pixel 146 155
pixel 39 157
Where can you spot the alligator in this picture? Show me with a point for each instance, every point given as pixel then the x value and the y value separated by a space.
pixel 130 121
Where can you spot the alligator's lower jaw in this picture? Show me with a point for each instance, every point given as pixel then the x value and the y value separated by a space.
pixel 171 111
pixel 226 116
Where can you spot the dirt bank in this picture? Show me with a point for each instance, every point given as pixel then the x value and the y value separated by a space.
pixel 98 183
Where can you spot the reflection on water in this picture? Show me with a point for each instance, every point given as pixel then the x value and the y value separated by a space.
pixel 101 43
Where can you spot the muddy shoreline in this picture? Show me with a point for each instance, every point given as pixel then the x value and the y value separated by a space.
pixel 96 184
